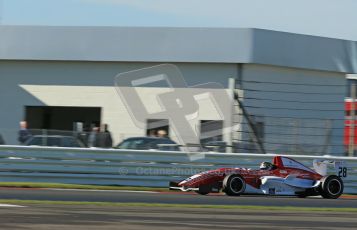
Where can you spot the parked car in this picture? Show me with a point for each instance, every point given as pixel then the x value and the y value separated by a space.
pixel 55 140
pixel 215 146
pixel 146 143
pixel 236 147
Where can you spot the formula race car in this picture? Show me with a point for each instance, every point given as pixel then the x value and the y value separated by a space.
pixel 284 176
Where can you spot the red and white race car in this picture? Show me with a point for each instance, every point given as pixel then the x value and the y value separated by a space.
pixel 284 176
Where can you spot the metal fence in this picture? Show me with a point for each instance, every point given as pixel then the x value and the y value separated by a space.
pixel 129 167
pixel 292 117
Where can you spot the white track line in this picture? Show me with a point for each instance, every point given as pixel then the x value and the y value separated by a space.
pixel 97 190
pixel 12 206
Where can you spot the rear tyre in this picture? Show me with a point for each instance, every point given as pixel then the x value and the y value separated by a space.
pixel 331 187
pixel 234 185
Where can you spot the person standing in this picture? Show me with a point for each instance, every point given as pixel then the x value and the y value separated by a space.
pixel 152 133
pixel 162 133
pixel 93 137
pixel 24 133
pixel 105 137
pixel 109 139
pixel 2 142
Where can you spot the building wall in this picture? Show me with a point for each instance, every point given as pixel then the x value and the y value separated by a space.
pixel 59 83
pixel 118 114
pixel 38 83
pixel 318 103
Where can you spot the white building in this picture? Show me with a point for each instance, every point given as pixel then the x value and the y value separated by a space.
pixel 54 76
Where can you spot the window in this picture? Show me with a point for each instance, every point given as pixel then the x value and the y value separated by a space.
pixel 211 131
pixel 350 83
pixel 61 117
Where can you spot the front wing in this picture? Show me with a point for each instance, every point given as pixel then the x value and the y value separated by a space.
pixel 175 186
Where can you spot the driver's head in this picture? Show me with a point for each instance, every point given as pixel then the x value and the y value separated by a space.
pixel 266 166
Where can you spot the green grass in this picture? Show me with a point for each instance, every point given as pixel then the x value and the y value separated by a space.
pixel 76 186
pixel 114 204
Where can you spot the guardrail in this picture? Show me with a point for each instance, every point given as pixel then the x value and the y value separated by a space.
pixel 130 167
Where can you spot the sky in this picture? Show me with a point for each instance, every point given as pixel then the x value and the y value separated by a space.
pixel 329 18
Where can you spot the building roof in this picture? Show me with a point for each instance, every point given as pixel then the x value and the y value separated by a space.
pixel 161 44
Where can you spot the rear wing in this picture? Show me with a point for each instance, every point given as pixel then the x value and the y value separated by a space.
pixel 339 167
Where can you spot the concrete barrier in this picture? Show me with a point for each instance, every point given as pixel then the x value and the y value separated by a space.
pixel 130 167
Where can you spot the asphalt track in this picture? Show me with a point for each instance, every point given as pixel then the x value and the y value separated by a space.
pixel 171 198
pixel 84 217
pixel 88 217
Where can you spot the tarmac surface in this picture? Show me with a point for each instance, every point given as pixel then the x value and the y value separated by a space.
pixel 172 198
pixel 84 217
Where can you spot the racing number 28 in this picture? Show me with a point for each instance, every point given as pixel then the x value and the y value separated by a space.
pixel 342 172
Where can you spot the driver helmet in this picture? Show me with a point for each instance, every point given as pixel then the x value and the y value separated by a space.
pixel 266 166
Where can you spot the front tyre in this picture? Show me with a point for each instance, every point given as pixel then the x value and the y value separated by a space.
pixel 203 190
pixel 234 185
pixel 331 187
